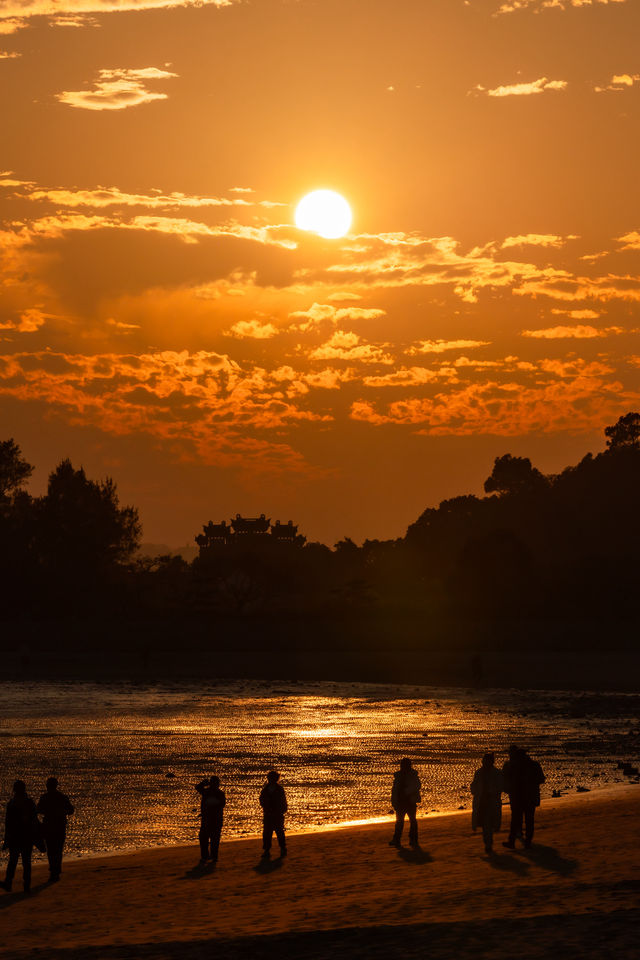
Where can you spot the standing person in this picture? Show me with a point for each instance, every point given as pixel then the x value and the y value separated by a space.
pixel 212 804
pixel 22 830
pixel 273 801
pixel 55 807
pixel 405 797
pixel 487 787
pixel 523 777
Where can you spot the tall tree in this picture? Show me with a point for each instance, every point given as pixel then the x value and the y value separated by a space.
pixel 14 469
pixel 624 433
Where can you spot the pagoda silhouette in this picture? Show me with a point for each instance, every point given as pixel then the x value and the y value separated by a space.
pixel 247 531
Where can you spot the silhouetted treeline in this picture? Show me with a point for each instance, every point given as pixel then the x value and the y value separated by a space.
pixel 535 547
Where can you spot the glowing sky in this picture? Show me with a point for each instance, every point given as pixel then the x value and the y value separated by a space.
pixel 162 320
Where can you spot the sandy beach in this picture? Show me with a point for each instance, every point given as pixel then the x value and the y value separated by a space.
pixel 346 893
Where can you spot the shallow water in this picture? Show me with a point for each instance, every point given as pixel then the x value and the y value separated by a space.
pixel 129 756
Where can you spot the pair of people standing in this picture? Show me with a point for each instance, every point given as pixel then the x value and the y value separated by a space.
pixel 272 799
pixel 520 777
pixel 23 831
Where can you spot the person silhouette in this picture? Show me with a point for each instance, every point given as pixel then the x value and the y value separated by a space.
pixel 212 804
pixel 487 787
pixel 405 797
pixel 22 830
pixel 273 801
pixel 522 777
pixel 55 807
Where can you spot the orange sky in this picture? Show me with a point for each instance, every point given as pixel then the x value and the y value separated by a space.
pixel 162 320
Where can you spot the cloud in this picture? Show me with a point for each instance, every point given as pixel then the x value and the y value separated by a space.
pixel 253 329
pixel 28 322
pixel 15 14
pixel 117 89
pixel 579 332
pixel 439 346
pixel 323 313
pixel 202 401
pixel 630 240
pixel 6 55
pixel 102 197
pixel 348 346
pixel 577 314
pixel 537 240
pixel 511 6
pixel 620 81
pixel 525 89
pixel 572 398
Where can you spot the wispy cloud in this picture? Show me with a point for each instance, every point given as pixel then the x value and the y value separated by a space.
pixel 537 240
pixel 6 55
pixel 511 6
pixel 579 332
pixel 16 14
pixel 440 346
pixel 522 89
pixel 620 81
pixel 28 322
pixel 118 89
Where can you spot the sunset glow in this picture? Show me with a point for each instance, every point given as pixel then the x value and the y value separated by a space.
pixel 178 308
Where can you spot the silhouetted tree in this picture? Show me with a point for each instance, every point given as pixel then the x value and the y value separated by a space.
pixel 82 524
pixel 514 475
pixel 624 433
pixel 14 469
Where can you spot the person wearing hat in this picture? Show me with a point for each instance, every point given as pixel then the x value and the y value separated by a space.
pixel 55 807
pixel 22 831
pixel 212 804
pixel 273 801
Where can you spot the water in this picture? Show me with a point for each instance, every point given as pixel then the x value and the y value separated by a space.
pixel 130 756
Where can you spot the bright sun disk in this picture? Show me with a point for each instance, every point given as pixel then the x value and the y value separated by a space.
pixel 324 212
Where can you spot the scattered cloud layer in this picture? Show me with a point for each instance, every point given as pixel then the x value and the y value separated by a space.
pixel 118 89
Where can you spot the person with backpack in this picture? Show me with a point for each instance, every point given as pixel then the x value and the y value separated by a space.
pixel 273 801
pixel 212 804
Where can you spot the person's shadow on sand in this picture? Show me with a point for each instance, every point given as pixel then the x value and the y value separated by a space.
pixel 501 861
pixel 266 865
pixel 414 855
pixel 200 870
pixel 549 859
pixel 8 899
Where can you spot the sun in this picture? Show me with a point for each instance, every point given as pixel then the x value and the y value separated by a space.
pixel 324 212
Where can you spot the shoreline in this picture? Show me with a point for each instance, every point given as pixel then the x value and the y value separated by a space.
pixel 346 893
pixel 606 792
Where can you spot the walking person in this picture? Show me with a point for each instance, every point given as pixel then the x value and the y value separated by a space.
pixel 212 804
pixel 55 807
pixel 273 801
pixel 487 787
pixel 22 831
pixel 523 777
pixel 405 797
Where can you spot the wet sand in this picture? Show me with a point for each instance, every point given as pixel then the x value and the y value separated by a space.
pixel 346 893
